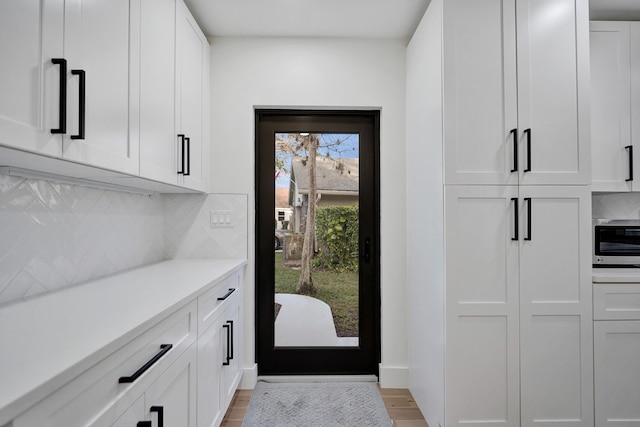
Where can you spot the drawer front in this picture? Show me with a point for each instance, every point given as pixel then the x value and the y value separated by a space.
pixel 85 398
pixel 210 302
pixel 620 301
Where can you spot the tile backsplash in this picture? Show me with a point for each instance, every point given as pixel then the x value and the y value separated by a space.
pixel 616 205
pixel 55 235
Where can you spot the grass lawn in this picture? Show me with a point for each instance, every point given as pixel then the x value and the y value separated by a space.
pixel 339 290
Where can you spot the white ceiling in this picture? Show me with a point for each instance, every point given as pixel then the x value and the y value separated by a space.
pixel 619 10
pixel 309 18
pixel 342 18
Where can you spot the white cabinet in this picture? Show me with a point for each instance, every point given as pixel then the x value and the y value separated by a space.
pixel 615 89
pixel 174 135
pixel 516 112
pixel 518 305
pixel 31 33
pixel 219 349
pixel 192 94
pixel 616 309
pixel 92 40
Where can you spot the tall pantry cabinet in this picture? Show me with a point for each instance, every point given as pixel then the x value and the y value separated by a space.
pixel 516 203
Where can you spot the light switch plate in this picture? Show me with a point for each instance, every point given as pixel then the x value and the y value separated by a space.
pixel 221 218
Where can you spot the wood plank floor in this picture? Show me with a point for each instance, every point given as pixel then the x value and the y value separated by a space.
pixel 399 403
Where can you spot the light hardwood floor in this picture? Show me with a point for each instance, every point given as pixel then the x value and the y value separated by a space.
pixel 400 404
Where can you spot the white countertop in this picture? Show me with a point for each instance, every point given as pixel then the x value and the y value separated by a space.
pixel 616 275
pixel 48 340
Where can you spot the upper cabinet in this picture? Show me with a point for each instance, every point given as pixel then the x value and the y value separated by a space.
pixel 174 95
pixel 120 86
pixel 516 80
pixel 615 94
pixel 66 81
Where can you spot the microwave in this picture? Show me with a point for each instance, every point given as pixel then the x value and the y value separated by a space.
pixel 616 243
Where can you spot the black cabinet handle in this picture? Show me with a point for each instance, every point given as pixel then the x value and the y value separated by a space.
pixel 528 133
pixel 227 358
pixel 629 149
pixel 528 202
pixel 225 296
pixel 515 218
pixel 188 170
pixel 514 132
pixel 164 348
pixel 230 357
pixel 181 171
pixel 144 424
pixel 160 411
pixel 62 107
pixel 81 102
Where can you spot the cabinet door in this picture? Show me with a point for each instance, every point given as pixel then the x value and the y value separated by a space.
pixel 173 395
pixel 31 34
pixel 231 351
pixel 556 341
pixel 617 373
pixel 192 62
pixel 480 102
pixel 209 365
pixel 610 106
pixel 158 136
pixel 553 86
pixel 634 34
pixel 482 373
pixel 97 41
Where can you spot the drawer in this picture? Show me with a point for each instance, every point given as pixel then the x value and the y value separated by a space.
pixel 99 388
pixel 616 301
pixel 210 302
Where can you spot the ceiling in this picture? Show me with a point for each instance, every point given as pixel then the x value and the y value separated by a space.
pixel 618 10
pixel 309 18
pixel 342 18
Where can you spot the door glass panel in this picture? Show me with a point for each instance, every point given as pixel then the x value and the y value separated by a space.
pixel 316 244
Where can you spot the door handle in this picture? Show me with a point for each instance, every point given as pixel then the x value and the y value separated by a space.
pixel 227 361
pixel 528 133
pixel 514 132
pixel 528 202
pixel 629 149
pixel 160 411
pixel 366 255
pixel 62 103
pixel 81 102
pixel 187 172
pixel 181 163
pixel 515 218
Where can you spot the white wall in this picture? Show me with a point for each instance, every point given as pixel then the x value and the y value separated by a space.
pixel 317 73
pixel 425 221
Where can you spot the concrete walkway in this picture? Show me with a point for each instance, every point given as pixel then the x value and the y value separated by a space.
pixel 306 322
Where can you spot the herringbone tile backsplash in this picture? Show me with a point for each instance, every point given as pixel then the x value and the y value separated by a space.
pixel 55 235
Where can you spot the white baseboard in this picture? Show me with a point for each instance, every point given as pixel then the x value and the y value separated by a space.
pixel 249 377
pixel 317 378
pixel 394 376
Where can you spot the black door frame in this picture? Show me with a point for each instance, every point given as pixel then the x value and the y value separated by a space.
pixel 365 358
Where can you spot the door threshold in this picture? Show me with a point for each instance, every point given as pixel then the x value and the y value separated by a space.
pixel 317 378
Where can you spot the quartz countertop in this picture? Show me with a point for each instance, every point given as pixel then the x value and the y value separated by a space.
pixel 48 340
pixel 616 275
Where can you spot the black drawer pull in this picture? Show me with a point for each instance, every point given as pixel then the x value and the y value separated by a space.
pixel 227 295
pixel 514 200
pixel 514 132
pixel 62 105
pixel 629 149
pixel 528 133
pixel 230 357
pixel 164 348
pixel 181 163
pixel 187 171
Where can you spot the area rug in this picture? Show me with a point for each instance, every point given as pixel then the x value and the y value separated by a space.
pixel 316 405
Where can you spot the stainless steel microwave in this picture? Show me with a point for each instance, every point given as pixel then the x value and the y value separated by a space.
pixel 616 243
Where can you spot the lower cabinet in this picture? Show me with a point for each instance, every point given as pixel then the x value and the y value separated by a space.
pixel 616 335
pixel 219 355
pixel 181 372
pixel 518 306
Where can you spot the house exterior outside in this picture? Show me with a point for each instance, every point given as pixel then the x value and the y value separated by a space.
pixel 337 182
